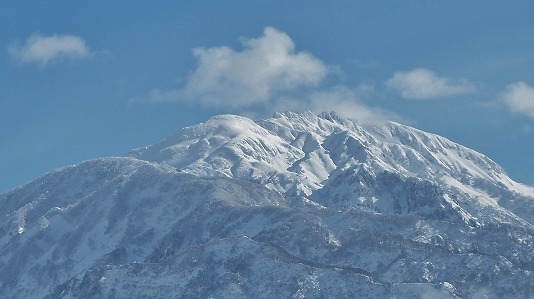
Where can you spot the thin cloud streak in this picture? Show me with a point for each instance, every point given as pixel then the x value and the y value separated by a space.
pixel 340 99
pixel 425 84
pixel 347 104
pixel 44 49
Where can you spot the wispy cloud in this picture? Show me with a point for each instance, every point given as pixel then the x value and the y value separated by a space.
pixel 341 99
pixel 519 98
pixel 346 102
pixel 267 75
pixel 425 84
pixel 45 49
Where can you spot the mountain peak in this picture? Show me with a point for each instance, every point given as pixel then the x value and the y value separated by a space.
pixel 304 153
pixel 296 205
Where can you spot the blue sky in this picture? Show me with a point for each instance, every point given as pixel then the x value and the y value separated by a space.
pixel 87 79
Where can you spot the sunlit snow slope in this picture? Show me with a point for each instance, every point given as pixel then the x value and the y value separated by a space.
pixel 338 162
pixel 295 206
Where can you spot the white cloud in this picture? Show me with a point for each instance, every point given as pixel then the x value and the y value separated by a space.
pixel 425 84
pixel 44 49
pixel 267 75
pixel 519 97
pixel 266 66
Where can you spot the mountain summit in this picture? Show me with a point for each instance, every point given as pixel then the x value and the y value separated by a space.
pixel 337 162
pixel 298 205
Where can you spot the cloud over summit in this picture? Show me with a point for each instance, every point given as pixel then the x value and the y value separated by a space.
pixel 268 74
pixel 266 65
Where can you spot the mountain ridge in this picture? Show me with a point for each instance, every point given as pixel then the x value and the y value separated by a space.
pixel 298 205
pixel 301 149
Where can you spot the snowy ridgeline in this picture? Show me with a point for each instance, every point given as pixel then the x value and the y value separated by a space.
pixel 296 206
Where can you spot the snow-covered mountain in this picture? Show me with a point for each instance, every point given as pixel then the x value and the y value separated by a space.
pixel 295 206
